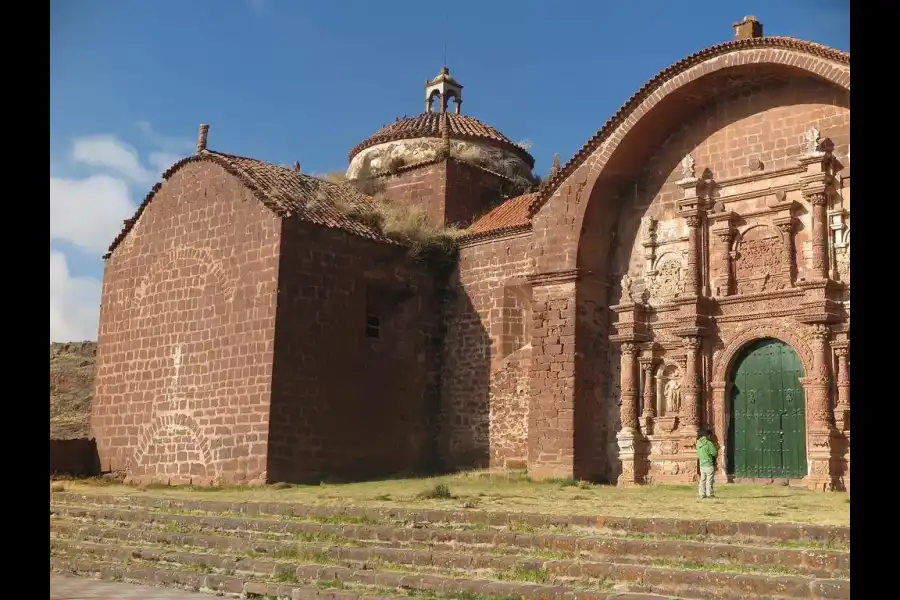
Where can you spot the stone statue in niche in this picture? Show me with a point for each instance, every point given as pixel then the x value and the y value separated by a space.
pixel 687 167
pixel 812 141
pixel 672 395
pixel 627 285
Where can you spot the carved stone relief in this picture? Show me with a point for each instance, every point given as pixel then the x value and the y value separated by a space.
pixel 758 261
pixel 667 281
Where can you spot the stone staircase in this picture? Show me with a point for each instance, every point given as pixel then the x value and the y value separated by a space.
pixel 279 550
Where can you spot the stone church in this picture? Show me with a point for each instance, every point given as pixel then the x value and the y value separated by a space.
pixel 688 267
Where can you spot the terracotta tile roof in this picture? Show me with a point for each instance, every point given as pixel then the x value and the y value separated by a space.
pixel 784 43
pixel 509 217
pixel 283 191
pixel 428 124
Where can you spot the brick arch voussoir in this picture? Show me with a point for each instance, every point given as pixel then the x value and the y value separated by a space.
pixel 179 419
pixel 736 344
pixel 584 172
pixel 211 270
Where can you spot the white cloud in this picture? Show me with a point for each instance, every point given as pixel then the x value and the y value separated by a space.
pixel 74 303
pixel 176 145
pixel 161 161
pixel 88 213
pixel 107 152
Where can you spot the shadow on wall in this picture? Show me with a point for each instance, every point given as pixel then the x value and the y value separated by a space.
pixel 76 457
pixel 356 367
pixel 465 416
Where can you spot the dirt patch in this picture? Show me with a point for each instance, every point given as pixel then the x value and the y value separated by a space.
pixel 71 389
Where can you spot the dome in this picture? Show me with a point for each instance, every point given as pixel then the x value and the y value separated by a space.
pixel 440 132
pixel 428 125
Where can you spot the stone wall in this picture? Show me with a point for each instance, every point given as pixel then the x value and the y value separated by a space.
pixel 356 359
pixel 487 356
pixel 184 360
pixel 450 192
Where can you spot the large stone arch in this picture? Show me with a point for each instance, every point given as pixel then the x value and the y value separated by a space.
pixel 610 157
pixel 577 221
pixel 725 359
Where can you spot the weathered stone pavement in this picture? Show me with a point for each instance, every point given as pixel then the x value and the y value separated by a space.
pixel 63 587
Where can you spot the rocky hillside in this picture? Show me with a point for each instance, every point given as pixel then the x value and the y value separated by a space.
pixel 71 388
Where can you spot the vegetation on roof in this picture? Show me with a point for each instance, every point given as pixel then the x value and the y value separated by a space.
pixel 408 226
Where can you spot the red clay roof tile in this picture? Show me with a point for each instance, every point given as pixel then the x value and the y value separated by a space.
pixel 284 191
pixel 428 124
pixel 510 216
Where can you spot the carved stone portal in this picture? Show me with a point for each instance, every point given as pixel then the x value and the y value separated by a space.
pixel 758 261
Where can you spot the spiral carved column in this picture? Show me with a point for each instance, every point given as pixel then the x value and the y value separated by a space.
pixel 819 200
pixel 819 416
pixel 690 390
pixel 649 396
pixel 631 451
pixel 692 276
pixel 842 406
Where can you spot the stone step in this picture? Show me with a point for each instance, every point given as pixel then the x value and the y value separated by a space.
pixel 773 532
pixel 237 586
pixel 402 569
pixel 246 533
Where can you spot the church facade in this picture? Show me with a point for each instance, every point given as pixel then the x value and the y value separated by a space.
pixel 687 268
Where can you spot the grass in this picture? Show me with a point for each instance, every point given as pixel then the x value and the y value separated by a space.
pixel 407 225
pixel 515 492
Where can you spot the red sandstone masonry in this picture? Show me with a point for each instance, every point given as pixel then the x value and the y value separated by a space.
pixel 186 335
pixel 484 365
pixel 238 585
pixel 443 544
pixel 378 420
pixel 775 531
pixel 713 586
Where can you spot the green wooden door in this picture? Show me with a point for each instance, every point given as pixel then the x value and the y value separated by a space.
pixel 767 428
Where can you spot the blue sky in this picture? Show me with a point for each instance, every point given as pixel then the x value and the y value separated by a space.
pixel 286 80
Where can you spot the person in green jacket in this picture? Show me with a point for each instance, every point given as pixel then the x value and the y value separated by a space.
pixel 706 455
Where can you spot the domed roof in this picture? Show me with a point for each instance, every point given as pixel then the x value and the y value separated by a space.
pixel 428 124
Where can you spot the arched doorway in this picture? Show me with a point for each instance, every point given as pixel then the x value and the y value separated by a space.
pixel 767 416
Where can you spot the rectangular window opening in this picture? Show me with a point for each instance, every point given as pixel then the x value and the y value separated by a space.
pixel 373 327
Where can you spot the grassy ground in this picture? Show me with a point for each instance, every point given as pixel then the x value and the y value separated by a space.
pixel 514 492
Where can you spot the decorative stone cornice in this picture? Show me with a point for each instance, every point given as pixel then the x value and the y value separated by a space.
pixel 554 277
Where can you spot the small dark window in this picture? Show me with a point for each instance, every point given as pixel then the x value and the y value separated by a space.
pixel 373 327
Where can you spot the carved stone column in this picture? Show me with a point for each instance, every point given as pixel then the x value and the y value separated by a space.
pixel 842 406
pixel 819 201
pixel 628 393
pixel 692 276
pixel 649 396
pixel 631 451
pixel 819 417
pixel 726 236
pixel 690 388
pixel 786 225
pixel 719 391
